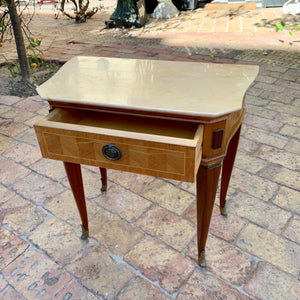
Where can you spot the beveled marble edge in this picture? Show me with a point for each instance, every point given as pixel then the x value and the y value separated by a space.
pixel 86 104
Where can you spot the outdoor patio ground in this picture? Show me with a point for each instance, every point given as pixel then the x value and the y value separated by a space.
pixel 142 243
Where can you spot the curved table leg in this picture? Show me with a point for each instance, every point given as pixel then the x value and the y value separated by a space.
pixel 75 178
pixel 227 169
pixel 103 173
pixel 207 183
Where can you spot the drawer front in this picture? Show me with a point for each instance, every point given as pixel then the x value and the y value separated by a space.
pixel 143 156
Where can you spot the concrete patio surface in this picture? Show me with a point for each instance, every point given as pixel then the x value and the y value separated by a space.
pixel 142 230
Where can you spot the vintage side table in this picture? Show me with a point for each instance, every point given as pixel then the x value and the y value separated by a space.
pixel 176 120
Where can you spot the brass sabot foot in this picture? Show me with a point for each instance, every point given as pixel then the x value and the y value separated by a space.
pixel 85 233
pixel 201 259
pixel 223 211
pixel 104 186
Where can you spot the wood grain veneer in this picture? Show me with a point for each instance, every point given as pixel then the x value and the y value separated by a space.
pixel 170 149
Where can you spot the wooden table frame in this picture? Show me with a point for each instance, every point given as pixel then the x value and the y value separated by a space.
pixel 220 141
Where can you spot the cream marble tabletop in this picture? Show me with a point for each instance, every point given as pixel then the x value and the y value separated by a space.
pixel 188 88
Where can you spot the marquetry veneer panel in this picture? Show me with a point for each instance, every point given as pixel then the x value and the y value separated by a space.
pixel 163 148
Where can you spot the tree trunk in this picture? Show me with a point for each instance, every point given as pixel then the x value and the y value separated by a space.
pixel 20 45
pixel 125 15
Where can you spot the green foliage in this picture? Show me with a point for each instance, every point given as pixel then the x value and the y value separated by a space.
pixel 34 43
pixel 12 88
pixel 50 67
pixel 2 26
pixel 33 60
pixel 281 27
pixel 33 46
pixel 12 66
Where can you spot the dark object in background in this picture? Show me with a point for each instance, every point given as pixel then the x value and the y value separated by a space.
pixel 188 4
pixel 127 14
pixel 178 3
pixel 150 6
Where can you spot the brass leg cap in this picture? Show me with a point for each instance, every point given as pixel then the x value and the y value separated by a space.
pixel 201 259
pixel 85 233
pixel 223 211
pixel 104 188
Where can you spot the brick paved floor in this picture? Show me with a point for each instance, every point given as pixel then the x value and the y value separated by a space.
pixel 142 243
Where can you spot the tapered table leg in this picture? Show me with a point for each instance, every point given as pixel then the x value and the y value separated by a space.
pixel 75 178
pixel 227 169
pixel 207 183
pixel 103 173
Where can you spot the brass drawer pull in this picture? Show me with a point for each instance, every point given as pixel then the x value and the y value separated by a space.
pixel 111 152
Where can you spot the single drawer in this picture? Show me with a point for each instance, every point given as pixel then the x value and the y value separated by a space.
pixel 151 146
